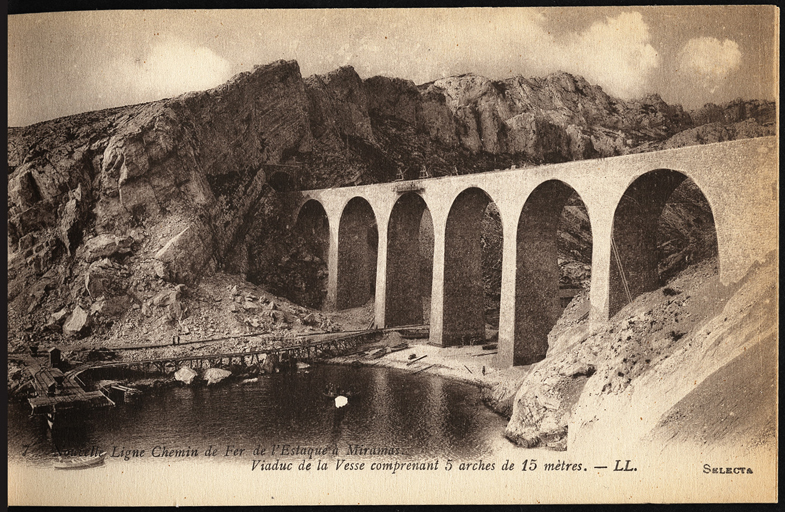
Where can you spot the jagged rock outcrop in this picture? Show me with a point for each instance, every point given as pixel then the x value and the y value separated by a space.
pixel 557 118
pixel 338 107
pixel 643 362
pixel 77 323
pixel 393 97
pixel 738 110
pixel 192 164
pixel 105 246
pixel 718 132
pixel 178 188
pixel 738 119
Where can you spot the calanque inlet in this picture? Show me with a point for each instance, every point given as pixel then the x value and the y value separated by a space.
pixel 171 230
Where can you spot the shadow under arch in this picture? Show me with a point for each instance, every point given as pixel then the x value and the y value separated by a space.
pixel 357 248
pixel 537 297
pixel 635 253
pixel 313 225
pixel 409 261
pixel 311 244
pixel 464 297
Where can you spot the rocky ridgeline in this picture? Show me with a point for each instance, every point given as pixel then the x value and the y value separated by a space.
pixel 108 208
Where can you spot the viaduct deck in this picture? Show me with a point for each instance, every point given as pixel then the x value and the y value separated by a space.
pixel 370 235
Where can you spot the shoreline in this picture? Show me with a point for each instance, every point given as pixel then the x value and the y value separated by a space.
pixel 459 363
pixel 470 364
pixel 466 364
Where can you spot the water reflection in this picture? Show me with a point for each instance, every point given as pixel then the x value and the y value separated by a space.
pixel 423 416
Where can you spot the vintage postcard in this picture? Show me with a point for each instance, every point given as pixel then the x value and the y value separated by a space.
pixel 393 256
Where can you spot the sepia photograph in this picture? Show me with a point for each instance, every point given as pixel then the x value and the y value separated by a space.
pixel 393 256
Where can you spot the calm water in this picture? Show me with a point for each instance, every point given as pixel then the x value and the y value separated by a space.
pixel 421 415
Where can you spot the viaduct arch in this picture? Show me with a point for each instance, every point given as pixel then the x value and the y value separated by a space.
pixel 623 196
pixel 357 250
pixel 312 230
pixel 464 291
pixel 634 252
pixel 405 273
pixel 537 306
pixel 313 225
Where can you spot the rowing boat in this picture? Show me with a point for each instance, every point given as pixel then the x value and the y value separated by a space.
pixel 80 462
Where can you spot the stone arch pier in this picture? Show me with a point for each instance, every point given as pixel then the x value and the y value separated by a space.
pixel 374 230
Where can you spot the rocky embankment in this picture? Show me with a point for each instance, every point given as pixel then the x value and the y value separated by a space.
pixel 691 365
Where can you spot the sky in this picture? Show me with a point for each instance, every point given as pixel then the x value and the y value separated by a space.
pixel 70 62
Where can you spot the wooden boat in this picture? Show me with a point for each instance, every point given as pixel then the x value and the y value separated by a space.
pixel 80 462
pixel 121 394
pixel 377 353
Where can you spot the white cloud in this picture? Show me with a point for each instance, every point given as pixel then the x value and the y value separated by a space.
pixel 709 61
pixel 615 54
pixel 172 67
pixel 423 45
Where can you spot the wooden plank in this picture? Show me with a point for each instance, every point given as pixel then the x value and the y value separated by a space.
pixel 415 360
pixel 423 369
pixel 82 400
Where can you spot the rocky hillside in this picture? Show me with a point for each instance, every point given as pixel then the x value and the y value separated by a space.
pixel 108 209
pixel 737 119
pixel 691 365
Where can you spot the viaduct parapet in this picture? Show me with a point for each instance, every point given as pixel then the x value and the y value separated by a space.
pixel 373 231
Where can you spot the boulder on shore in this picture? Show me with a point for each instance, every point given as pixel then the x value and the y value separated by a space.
pixel 185 375
pixel 215 375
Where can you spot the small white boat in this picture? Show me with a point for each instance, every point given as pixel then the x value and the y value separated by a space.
pixel 340 401
pixel 80 462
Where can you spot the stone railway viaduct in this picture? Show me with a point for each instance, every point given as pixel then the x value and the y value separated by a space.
pixel 624 197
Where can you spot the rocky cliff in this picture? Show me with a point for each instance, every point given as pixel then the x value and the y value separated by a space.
pixel 688 367
pixel 108 209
